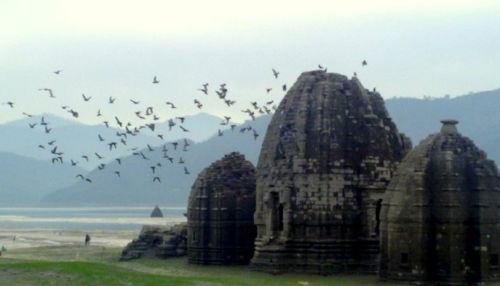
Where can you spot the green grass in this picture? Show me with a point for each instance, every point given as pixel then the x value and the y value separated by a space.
pixel 100 266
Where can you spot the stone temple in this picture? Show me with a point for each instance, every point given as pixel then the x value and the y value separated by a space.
pixel 440 218
pixel 329 153
pixel 220 213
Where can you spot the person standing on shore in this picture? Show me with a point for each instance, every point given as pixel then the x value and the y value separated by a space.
pixel 87 239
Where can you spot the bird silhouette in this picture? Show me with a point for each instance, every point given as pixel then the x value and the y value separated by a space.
pixel 98 156
pixel 275 73
pixel 85 157
pixel 283 87
pixel 170 104
pixel 47 130
pixel 364 63
pixel 51 94
pixel 204 89
pixel 156 179
pixel 9 103
pixel 135 101
pixel 85 98
pixel 183 129
pixel 27 115
pixel 111 100
pixel 80 176
pixel 186 171
pixel 73 113
pixel 32 125
pixel 117 173
pixel 57 72
pixel 268 90
pixel 155 80
pixel 100 137
pixel 119 161
pixel 112 145
pixel 118 122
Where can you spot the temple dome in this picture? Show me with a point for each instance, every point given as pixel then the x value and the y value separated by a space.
pixel 441 213
pixel 220 213
pixel 327 157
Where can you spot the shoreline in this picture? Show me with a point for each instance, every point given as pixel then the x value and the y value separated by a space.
pixel 18 238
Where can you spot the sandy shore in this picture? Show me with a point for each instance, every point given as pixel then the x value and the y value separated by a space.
pixel 22 238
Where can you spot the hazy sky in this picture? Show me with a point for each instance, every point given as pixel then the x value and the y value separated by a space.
pixel 114 48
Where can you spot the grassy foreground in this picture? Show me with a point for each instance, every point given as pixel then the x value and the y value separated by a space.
pixel 77 265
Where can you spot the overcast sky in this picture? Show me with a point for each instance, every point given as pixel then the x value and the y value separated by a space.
pixel 114 48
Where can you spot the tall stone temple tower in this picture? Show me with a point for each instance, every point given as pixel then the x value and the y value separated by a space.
pixel 441 214
pixel 220 213
pixel 330 150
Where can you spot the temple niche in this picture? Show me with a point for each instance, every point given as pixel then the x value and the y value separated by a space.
pixel 220 213
pixel 440 218
pixel 330 151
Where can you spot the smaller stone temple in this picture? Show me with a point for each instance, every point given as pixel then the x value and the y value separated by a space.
pixel 220 213
pixel 441 212
pixel 156 212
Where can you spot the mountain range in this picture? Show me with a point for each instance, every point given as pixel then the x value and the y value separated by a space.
pixel 477 113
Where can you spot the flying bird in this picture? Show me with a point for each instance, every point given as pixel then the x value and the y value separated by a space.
pixel 85 98
pixel 111 100
pixel 204 89
pixel 364 63
pixel 155 80
pixel 275 73
pixel 51 94
pixel 156 179
pixel 135 101
pixel 57 71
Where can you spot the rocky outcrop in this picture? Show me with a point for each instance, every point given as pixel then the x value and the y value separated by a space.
pixel 220 213
pixel 156 212
pixel 157 242
pixel 328 155
pixel 441 214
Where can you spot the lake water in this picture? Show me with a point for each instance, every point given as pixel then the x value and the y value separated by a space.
pixel 87 218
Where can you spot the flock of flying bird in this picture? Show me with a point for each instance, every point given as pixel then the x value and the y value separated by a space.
pixel 128 129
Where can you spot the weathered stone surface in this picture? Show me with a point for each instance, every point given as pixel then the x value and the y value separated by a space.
pixel 156 212
pixel 158 242
pixel 441 214
pixel 220 213
pixel 328 155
